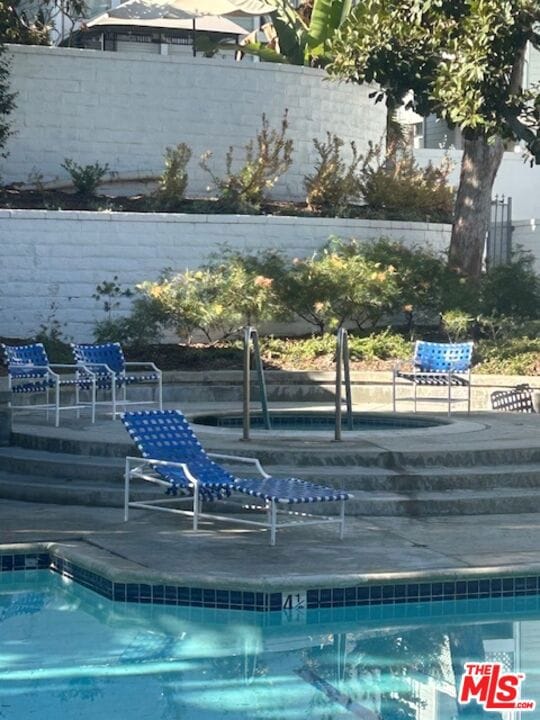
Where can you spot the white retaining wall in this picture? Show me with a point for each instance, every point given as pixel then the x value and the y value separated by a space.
pixel 527 235
pixel 52 261
pixel 125 109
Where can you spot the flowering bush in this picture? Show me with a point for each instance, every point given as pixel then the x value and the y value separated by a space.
pixel 219 298
pixel 333 185
pixel 330 289
pixel 265 161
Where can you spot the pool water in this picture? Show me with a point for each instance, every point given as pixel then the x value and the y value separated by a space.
pixel 313 421
pixel 66 653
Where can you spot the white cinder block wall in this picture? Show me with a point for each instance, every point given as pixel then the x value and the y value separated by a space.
pixel 125 109
pixel 52 261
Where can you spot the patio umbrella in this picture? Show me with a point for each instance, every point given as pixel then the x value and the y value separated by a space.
pixel 202 15
pixel 141 13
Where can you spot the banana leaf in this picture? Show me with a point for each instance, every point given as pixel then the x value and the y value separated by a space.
pixel 326 17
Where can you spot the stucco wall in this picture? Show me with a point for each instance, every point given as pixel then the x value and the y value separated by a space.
pixel 527 235
pixel 515 179
pixel 125 109
pixel 52 261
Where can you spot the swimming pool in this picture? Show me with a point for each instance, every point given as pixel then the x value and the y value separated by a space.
pixel 319 420
pixel 69 654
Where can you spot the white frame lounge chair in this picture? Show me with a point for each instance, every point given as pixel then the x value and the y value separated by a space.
pixel 173 458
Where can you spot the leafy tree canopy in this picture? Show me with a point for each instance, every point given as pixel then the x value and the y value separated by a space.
pixel 462 58
pixel 33 23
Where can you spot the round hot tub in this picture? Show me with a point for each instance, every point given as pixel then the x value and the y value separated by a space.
pixel 314 420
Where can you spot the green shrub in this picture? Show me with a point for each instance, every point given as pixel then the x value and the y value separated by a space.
pixel 385 345
pixel 143 326
pixel 517 356
pixel 457 324
pixel 512 289
pixel 265 161
pixel 86 178
pixel 397 187
pixel 219 298
pixel 334 185
pixel 173 182
pixel 329 289
pixel 7 99
pixel 301 352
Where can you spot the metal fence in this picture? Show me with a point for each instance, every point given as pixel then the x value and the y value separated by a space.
pixel 499 237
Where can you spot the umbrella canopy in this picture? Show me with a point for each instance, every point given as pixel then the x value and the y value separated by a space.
pixel 196 15
pixel 185 9
pixel 143 13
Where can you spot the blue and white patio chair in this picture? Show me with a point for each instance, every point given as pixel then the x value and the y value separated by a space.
pixel 113 373
pixel 516 399
pixel 437 365
pixel 30 373
pixel 173 458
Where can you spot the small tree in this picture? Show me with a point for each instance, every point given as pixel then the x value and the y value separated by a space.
pixel 464 63
pixel 35 23
pixel 334 184
pixel 265 160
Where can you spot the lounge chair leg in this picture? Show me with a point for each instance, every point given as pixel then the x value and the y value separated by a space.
pixel 196 508
pixel 93 400
pixel 126 492
pixel 342 520
pixel 57 403
pixel 113 397
pixel 272 522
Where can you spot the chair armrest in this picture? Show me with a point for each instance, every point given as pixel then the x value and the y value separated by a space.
pixel 93 367
pixel 168 463
pixel 143 364
pixel 241 459
pixel 28 368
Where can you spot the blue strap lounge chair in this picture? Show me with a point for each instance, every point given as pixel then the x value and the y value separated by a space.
pixel 437 365
pixel 31 373
pixel 173 457
pixel 113 373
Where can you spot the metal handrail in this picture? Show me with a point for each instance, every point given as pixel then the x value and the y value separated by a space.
pixel 343 372
pixel 251 339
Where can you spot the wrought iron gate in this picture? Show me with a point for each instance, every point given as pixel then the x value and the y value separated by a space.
pixel 499 237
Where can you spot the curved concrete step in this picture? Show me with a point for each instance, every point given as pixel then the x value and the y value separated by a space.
pixel 372 478
pixel 311 454
pixel 417 480
pixel 364 503
pixel 60 465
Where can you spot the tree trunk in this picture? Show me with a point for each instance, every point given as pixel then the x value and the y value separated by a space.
pixel 479 167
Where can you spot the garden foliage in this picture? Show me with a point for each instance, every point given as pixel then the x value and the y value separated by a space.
pixel 173 182
pixel 7 101
pixel 243 190
pixel 86 178
pixel 334 185
pixel 359 285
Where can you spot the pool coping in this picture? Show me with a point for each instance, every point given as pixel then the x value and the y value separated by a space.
pixel 121 580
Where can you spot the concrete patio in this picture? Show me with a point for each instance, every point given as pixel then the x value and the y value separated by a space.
pixel 157 547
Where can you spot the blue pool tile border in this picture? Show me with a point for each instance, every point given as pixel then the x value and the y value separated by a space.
pixel 371 595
